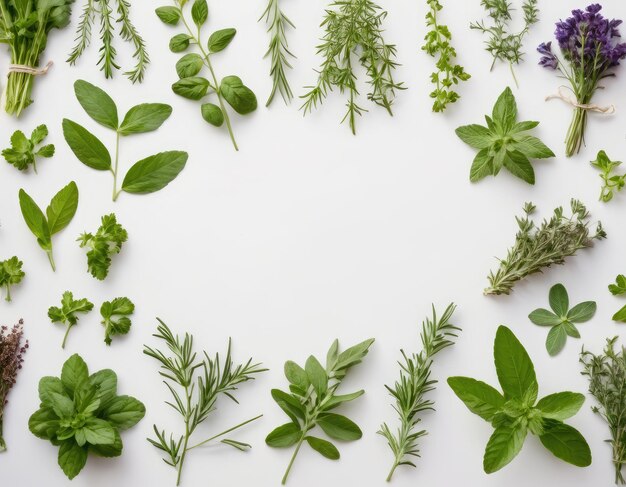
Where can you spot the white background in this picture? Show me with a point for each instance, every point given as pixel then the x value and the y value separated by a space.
pixel 307 234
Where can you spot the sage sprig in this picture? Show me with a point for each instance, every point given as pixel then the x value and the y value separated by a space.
pixel 195 385
pixel 352 26
pixel 312 395
pixel 415 382
pixel 229 90
pixel 538 247
pixel 145 176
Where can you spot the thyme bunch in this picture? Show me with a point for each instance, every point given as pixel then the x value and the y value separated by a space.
pixel 277 25
pixel 502 44
pixel 607 383
pixel 102 12
pixel 200 381
pixel 540 246
pixel 414 383
pixel 438 45
pixel 353 29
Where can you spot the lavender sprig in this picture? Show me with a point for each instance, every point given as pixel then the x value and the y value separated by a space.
pixel 590 49
pixel 12 351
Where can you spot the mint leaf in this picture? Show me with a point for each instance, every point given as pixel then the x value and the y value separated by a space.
pixel 561 405
pixel 480 398
pixel 566 443
pixel 72 458
pixel 515 370
pixel 503 446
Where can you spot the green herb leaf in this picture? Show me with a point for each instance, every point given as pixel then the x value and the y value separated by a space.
pixel 189 65
pixel 107 241
pixel 74 372
pixel 199 12
pixel 146 117
pixel 115 317
pixel 35 220
pixel 519 165
pixel 72 458
pixel 97 104
pixel 212 114
pixel 193 88
pixel 296 375
pixel 316 375
pixel 219 40
pixel 480 398
pixel 559 300
pixel 515 370
pixel 284 436
pixel 582 312
pixel 154 173
pixel 544 317
pixel 289 404
pixel 566 443
pixel 62 208
pixel 619 287
pixel 561 405
pixel 325 448
pixel 532 147
pixel 86 146
pixel 503 446
pixel 11 273
pixel 620 315
pixel 238 96
pixel 124 412
pixel 475 136
pixel 339 427
pixel 168 15
pixel 556 339
pixel 66 314
pixel 180 42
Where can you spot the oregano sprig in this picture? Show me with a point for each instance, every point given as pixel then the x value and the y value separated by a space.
pixel 414 383
pixel 312 395
pixel 229 90
pixel 195 385
pixel 145 176
pixel 439 45
pixel 611 182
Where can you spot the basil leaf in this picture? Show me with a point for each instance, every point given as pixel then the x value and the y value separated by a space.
pixel 582 312
pixel 86 146
pixel 544 317
pixel 559 300
pixel 154 173
pixel 339 427
pixel 168 15
pixel 316 375
pixel 556 339
pixel 567 444
pixel 519 165
pixel 62 405
pixel 108 451
pixel 515 370
pixel 179 42
pixel 193 88
pixel 189 65
pixel 72 458
pixel 62 208
pixel 106 382
pixel 123 412
pixel 44 423
pixel 503 446
pixel 212 114
pixel 74 373
pixel 48 385
pixel 480 398
pixel 199 12
pixel 561 405
pixel 475 136
pixel 98 432
pixel 325 448
pixel 146 117
pixel 284 436
pixel 238 96
pixel 505 110
pixel 96 103
pixel 35 220
pixel 482 166
pixel 219 40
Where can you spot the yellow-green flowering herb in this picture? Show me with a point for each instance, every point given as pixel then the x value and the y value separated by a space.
pixel 561 318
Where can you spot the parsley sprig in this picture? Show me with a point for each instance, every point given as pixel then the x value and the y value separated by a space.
pixel 107 241
pixel 11 273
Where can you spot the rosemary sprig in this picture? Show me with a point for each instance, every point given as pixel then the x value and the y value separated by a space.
pixel 104 10
pixel 607 383
pixel 200 383
pixel 415 382
pixel 538 247
pixel 277 24
pixel 354 26
pixel 502 44
pixel 438 45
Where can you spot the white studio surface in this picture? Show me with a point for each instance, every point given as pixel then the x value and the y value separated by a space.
pixel 309 234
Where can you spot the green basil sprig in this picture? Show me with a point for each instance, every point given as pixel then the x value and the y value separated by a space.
pixel 147 175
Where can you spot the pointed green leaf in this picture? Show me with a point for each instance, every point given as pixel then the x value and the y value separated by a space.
pixel 339 427
pixel 556 339
pixel 532 147
pixel 567 444
pixel 316 375
pixel 559 300
pixel 571 330
pixel 353 356
pixel 97 104
pixel 620 315
pixel 199 12
pixel 582 312
pixel 482 166
pixel 86 147
pixel 475 136
pixel 146 117
pixel 296 375
pixel 505 110
pixel 561 405
pixel 284 436
pixel 72 458
pixel 544 317
pixel 480 398
pixel 62 208
pixel 503 446
pixel 325 448
pixel 519 165
pixel 340 399
pixel 124 412
pixel 289 404
pixel 515 370
pixel 219 40
pixel 74 373
pixel 154 173
pixel 35 220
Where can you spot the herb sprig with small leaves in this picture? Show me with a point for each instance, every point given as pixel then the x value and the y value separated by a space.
pixel 115 317
pixel 106 242
pixel 145 176
pixel 562 318
pixel 66 314
pixel 540 246
pixel 311 398
pixel 617 289
pixel 502 44
pixel 516 412
pixel 504 142
pixel 11 273
pixel 352 26
pixel 229 90
pixel 607 375
pixel 415 382
pixel 200 383
pixel 59 214
pixel 278 52
pixel 611 182
pixel 101 12
pixel 24 151
pixel 439 45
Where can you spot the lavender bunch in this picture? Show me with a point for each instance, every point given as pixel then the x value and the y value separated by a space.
pixel 591 49
pixel 11 357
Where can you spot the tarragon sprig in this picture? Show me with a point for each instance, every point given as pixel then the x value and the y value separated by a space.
pixel 415 382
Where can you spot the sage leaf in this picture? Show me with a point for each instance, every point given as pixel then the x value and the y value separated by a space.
pixel 154 172
pixel 559 300
pixel 296 375
pixel 325 448
pixel 582 312
pixel 339 427
pixel 219 40
pixel 86 147
pixel 146 117
pixel 97 104
pixel 62 208
pixel 316 375
pixel 284 436
pixel 193 88
pixel 288 404
pixel 544 317
pixel 556 339
pixel 238 96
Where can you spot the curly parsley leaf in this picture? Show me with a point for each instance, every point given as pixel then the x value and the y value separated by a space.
pixel 24 152
pixel 10 273
pixel 115 317
pixel 504 143
pixel 66 314
pixel 107 241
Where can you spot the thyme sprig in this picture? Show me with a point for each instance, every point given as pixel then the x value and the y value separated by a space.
pixel 607 383
pixel 200 381
pixel 540 246
pixel 354 28
pixel 414 383
pixel 502 44
pixel 277 25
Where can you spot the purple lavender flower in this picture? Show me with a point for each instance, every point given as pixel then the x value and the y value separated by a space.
pixel 548 60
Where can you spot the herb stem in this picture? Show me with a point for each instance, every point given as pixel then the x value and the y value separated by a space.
pixel 3 445
pixel 187 434
pixel 116 193
pixel 67 332
pixel 293 457
pixel 513 74
pixel 7 298
pixel 225 432
pixel 51 259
